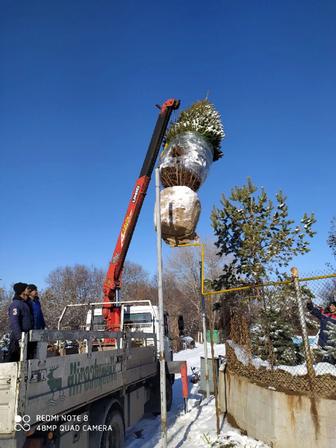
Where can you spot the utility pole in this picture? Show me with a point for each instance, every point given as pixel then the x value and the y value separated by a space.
pixel 161 313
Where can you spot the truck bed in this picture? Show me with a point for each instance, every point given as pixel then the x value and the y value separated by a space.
pixel 54 385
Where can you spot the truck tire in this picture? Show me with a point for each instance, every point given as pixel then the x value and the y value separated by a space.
pixel 116 437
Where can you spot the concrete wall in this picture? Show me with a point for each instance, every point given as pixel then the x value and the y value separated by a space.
pixel 281 420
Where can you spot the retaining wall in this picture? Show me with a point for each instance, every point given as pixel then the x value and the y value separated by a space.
pixel 279 419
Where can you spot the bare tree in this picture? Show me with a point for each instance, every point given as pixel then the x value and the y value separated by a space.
pixel 68 285
pixel 183 269
pixel 5 299
pixel 81 284
pixel 136 283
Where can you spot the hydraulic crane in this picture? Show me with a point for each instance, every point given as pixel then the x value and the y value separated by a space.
pixel 112 284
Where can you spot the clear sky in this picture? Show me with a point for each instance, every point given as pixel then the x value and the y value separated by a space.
pixel 78 85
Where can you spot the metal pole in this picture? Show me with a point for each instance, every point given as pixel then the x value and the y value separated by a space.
pixel 161 313
pixel 308 354
pixel 214 368
pixel 205 342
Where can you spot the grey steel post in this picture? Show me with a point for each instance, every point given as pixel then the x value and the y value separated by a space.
pixel 205 343
pixel 214 367
pixel 161 313
pixel 305 340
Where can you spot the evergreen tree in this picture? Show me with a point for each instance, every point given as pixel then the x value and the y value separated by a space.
pixel 260 239
pixel 257 235
pixel 283 298
pixel 272 339
pixel 201 117
pixel 332 237
pixel 330 349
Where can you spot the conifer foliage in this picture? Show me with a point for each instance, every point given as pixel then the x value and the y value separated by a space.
pixel 332 237
pixel 203 118
pixel 257 235
pixel 272 339
pixel 330 349
pixel 258 238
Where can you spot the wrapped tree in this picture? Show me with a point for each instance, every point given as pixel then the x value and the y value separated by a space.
pixel 192 144
pixel 202 118
pixel 180 210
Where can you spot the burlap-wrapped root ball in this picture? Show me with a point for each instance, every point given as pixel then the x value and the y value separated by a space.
pixel 180 211
pixel 186 161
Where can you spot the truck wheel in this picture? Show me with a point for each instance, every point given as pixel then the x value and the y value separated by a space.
pixel 114 438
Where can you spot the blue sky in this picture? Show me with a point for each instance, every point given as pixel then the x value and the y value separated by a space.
pixel 78 85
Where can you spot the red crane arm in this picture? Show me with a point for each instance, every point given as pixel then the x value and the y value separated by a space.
pixel 112 282
pixel 113 276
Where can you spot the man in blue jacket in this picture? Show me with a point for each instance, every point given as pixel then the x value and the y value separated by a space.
pixel 20 319
pixel 39 323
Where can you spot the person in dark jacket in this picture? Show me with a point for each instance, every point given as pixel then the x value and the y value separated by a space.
pixel 20 319
pixel 39 323
pixel 325 317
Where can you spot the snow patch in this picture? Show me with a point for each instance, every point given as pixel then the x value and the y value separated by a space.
pixel 240 353
pixel 196 428
pixel 322 368
pixel 234 439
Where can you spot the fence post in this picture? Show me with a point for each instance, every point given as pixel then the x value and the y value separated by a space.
pixel 308 354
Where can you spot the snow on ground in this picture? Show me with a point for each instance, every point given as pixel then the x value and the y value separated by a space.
pixel 322 368
pixel 197 428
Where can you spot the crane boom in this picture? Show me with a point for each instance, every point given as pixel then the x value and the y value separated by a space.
pixel 112 282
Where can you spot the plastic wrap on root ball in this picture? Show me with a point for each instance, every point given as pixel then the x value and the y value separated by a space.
pixel 180 211
pixel 186 161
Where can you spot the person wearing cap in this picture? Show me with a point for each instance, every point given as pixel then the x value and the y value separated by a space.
pixel 39 323
pixel 20 319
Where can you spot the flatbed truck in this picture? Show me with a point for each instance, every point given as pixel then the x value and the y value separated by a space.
pixel 84 399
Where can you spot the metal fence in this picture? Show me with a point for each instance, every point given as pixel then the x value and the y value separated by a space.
pixel 283 334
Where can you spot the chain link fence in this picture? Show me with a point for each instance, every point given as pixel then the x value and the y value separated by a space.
pixel 283 335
